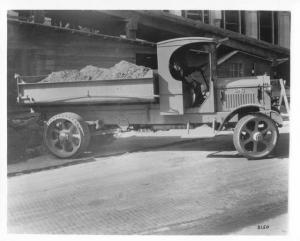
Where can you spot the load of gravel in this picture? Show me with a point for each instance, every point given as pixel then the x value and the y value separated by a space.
pixel 126 70
pixel 95 73
pixel 65 76
pixel 122 70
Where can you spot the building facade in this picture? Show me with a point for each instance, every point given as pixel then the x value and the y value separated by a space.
pixel 44 41
pixel 270 26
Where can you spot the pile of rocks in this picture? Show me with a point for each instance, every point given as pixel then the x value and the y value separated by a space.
pixel 122 70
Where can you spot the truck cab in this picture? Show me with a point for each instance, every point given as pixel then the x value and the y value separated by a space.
pixel 189 86
pixel 182 63
pixel 189 83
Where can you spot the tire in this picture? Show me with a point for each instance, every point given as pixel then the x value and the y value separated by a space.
pixel 66 135
pixel 255 136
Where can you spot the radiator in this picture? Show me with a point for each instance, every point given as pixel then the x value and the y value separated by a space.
pixel 229 99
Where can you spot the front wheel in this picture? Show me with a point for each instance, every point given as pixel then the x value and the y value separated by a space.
pixel 255 136
pixel 66 135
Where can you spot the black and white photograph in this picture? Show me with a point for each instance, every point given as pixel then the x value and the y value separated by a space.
pixel 148 121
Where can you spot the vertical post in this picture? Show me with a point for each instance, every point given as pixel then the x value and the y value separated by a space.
pixel 213 75
pixel 188 127
pixel 283 94
pixel 213 62
pixel 240 22
pixel 273 29
pixel 215 18
pixel 224 21
pixel 131 28
pixel 18 78
pixel 284 25
pixel 258 25
pixel 251 24
pixel 214 126
pixel 280 98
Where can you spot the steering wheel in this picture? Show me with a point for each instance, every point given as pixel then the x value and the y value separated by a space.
pixel 205 94
pixel 176 70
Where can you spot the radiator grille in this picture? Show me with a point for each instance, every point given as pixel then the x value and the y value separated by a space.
pixel 235 100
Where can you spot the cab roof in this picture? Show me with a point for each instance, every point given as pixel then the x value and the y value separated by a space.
pixel 184 41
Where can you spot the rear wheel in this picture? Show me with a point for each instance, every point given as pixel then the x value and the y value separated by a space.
pixel 66 135
pixel 255 136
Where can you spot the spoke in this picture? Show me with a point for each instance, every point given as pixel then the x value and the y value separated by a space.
pixel 70 126
pixel 54 142
pixel 73 129
pixel 74 146
pixel 76 136
pixel 57 144
pixel 57 125
pixel 255 146
pixel 246 145
pixel 65 146
pixel 263 132
pixel 54 137
pixel 63 124
pixel 55 130
pixel 266 125
pixel 62 142
pixel 245 129
pixel 245 142
pixel 256 125
pixel 268 136
pixel 250 126
pixel 266 143
pixel 75 141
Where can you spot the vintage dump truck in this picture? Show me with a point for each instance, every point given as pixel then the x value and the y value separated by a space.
pixel 168 98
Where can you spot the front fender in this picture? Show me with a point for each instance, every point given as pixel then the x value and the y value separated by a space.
pixel 275 116
pixel 240 110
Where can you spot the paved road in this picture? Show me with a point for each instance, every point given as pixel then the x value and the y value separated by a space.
pixel 200 187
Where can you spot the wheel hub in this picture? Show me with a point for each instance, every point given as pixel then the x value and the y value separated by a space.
pixel 64 136
pixel 257 136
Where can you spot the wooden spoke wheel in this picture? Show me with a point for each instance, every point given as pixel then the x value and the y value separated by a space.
pixel 66 135
pixel 255 136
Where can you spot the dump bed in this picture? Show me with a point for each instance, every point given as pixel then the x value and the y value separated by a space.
pixel 113 91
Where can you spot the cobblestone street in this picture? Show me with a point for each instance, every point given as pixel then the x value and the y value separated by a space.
pixel 185 188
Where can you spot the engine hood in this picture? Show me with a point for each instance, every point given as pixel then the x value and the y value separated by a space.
pixel 240 82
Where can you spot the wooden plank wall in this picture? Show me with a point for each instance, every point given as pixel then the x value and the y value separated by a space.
pixel 38 50
pixel 261 66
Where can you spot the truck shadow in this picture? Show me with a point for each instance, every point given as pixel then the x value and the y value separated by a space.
pixel 221 146
pixel 281 150
pixel 106 146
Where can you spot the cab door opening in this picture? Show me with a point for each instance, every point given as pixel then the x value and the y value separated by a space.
pixel 191 65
